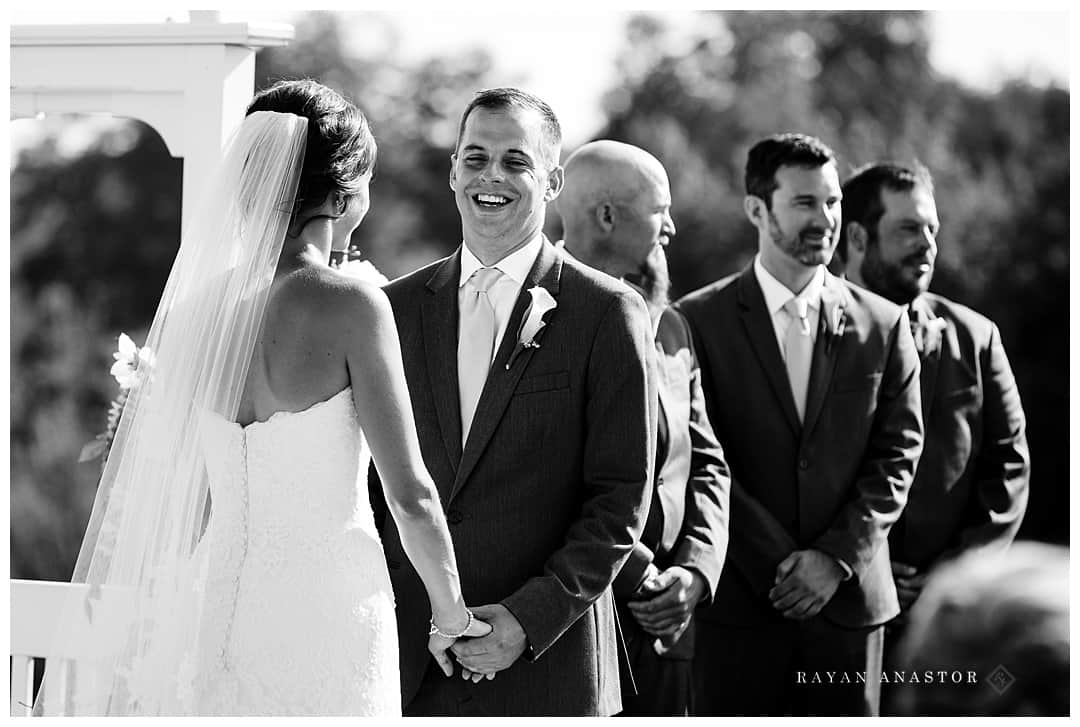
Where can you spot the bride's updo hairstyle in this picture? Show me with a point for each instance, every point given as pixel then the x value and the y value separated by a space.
pixel 340 146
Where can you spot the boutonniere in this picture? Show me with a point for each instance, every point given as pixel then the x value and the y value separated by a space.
pixel 540 302
pixel 832 318
pixel 928 334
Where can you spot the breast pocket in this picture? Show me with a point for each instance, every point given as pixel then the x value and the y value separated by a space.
pixel 543 382
pixel 537 410
pixel 868 383
pixel 961 397
pixel 850 407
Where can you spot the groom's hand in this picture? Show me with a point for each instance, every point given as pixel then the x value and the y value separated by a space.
pixel 496 651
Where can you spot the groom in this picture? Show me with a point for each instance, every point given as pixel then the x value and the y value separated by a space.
pixel 532 386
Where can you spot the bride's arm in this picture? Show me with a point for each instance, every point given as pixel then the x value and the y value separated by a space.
pixel 373 356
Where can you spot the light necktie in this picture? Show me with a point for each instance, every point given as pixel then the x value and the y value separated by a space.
pixel 798 349
pixel 476 344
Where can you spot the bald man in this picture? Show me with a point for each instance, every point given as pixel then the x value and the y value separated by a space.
pixel 615 208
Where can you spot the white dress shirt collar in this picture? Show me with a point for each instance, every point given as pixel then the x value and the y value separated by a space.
pixel 777 294
pixel 515 266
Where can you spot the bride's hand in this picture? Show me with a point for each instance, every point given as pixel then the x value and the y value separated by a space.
pixel 438 644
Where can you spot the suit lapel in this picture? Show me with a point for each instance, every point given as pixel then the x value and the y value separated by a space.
pixel 758 325
pixel 823 361
pixel 501 381
pixel 439 313
pixel 929 358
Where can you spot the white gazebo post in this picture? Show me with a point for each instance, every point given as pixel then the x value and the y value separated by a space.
pixel 189 81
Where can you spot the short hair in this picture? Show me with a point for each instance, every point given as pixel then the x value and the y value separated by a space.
pixel 780 150
pixel 502 98
pixel 862 194
pixel 340 146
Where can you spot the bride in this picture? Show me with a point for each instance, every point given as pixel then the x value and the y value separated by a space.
pixel 231 560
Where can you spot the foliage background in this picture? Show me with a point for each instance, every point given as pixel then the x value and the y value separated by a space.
pixel 92 238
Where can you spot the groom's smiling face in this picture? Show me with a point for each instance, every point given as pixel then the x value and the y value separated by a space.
pixel 503 175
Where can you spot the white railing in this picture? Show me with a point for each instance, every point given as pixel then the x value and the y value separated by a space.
pixel 37 607
pixel 35 611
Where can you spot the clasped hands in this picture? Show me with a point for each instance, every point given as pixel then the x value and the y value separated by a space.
pixel 482 655
pixel 805 581
pixel 665 601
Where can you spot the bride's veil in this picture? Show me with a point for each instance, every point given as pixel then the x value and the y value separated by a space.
pixel 124 639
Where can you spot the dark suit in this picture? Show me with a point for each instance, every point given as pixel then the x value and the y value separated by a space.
pixel 687 524
pixel 835 483
pixel 971 486
pixel 550 492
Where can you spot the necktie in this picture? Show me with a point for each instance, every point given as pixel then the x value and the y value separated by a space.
pixel 798 348
pixel 476 344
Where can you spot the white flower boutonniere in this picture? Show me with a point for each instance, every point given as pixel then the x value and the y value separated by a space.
pixel 832 318
pixel 928 335
pixel 541 301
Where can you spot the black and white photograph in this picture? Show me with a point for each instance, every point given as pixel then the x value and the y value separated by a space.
pixel 565 362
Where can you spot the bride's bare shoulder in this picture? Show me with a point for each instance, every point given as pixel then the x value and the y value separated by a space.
pixel 325 295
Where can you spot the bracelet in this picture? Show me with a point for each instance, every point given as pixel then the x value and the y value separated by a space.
pixel 433 630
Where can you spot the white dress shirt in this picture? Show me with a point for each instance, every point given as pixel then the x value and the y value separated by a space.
pixel 777 295
pixel 504 293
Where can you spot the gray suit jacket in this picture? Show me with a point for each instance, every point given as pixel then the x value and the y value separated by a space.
pixel 971 487
pixel 688 518
pixel 551 490
pixel 836 482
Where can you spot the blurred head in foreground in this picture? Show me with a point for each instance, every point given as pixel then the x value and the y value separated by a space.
pixel 1005 617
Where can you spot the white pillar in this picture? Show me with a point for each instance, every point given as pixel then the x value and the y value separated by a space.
pixel 189 81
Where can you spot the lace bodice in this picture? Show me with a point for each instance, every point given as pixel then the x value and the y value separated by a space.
pixel 298 615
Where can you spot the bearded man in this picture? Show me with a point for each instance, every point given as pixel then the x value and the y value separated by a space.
pixel 616 212
pixel 812 388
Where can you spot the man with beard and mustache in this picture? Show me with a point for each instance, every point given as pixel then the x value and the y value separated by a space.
pixel 812 388
pixel 971 487
pixel 615 208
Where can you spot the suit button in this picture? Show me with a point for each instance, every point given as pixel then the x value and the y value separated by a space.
pixel 393 564
pixel 659 483
pixel 454 517
pixel 804 463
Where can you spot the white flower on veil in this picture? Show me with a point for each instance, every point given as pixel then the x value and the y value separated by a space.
pixel 131 364
pixel 129 360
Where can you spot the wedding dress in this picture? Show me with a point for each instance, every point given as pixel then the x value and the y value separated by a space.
pixel 298 613
pixel 280 603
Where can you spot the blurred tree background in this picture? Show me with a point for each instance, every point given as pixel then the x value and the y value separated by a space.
pixel 93 237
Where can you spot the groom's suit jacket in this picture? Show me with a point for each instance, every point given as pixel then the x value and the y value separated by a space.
pixel 838 481
pixel 551 490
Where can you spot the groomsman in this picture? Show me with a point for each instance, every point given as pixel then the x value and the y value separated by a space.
pixel 812 389
pixel 971 486
pixel 616 212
